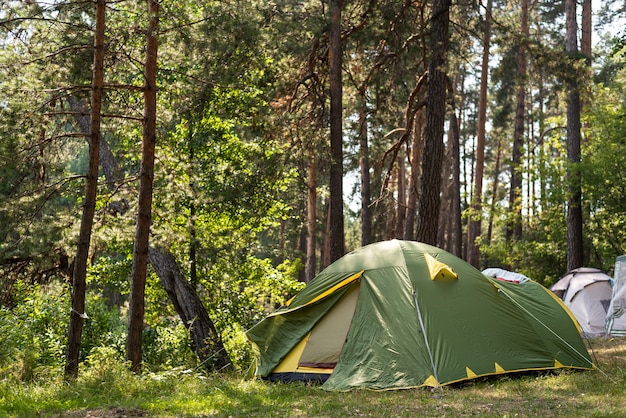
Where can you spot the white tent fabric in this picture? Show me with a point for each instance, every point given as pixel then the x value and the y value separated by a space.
pixel 587 293
pixel 615 319
pixel 502 274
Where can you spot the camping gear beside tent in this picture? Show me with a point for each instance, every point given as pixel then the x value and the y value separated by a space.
pixel 587 293
pixel 502 274
pixel 616 320
pixel 402 314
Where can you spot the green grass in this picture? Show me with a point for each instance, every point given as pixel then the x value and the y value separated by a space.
pixel 109 390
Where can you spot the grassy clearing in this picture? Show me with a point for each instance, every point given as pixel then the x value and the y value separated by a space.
pixel 109 390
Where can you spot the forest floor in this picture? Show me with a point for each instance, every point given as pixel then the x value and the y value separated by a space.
pixel 110 391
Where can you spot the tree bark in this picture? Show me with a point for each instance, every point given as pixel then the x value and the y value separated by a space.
pixel 475 219
pixel 401 193
pixel 415 163
pixel 364 165
pixel 146 179
pixel 586 29
pixel 77 313
pixel 494 191
pixel 311 215
pixel 455 238
pixel 207 342
pixel 337 245
pixel 574 202
pixel 428 210
pixel 514 229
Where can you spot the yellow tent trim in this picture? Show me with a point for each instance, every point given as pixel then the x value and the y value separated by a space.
pixel 499 369
pixel 290 362
pixel 431 381
pixel 470 373
pixel 438 269
pixel 289 301
pixel 558 364
pixel 335 287
pixel 318 370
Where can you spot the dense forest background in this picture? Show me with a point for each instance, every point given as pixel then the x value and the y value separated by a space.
pixel 181 168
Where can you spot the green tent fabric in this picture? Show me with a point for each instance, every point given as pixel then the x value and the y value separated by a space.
pixel 416 325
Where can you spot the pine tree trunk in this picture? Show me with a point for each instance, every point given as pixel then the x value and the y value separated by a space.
pixel 206 341
pixel 336 140
pixel 494 191
pixel 428 212
pixel 476 212
pixel 77 313
pixel 574 203
pixel 446 193
pixel 455 231
pixel 311 215
pixel 401 193
pixel 416 148
pixel 514 230
pixel 587 26
pixel 364 165
pixel 146 179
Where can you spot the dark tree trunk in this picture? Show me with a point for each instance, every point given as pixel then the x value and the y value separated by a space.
pixel 587 27
pixel 476 213
pixel 494 191
pixel 574 203
pixel 401 192
pixel 514 230
pixel 146 179
pixel 415 163
pixel 364 164
pixel 428 211
pixel 311 259
pixel 455 230
pixel 77 313
pixel 337 244
pixel 206 341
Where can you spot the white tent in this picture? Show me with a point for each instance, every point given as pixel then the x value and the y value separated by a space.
pixel 587 293
pixel 615 319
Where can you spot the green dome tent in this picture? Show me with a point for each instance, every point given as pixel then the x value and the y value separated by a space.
pixel 401 314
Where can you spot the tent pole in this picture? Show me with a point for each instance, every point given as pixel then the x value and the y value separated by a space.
pixel 430 354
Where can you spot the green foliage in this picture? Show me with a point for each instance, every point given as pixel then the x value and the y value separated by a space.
pixel 33 333
pixel 604 177
pixel 243 293
pixel 167 345
pixel 541 260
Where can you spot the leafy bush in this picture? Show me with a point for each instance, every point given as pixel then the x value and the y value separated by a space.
pixel 33 334
pixel 167 345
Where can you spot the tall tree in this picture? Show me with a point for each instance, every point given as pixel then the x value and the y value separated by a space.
pixel 574 199
pixel 79 276
pixel 337 248
pixel 146 179
pixel 415 164
pixel 364 165
pixel 475 220
pixel 514 230
pixel 428 208
pixel 311 226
